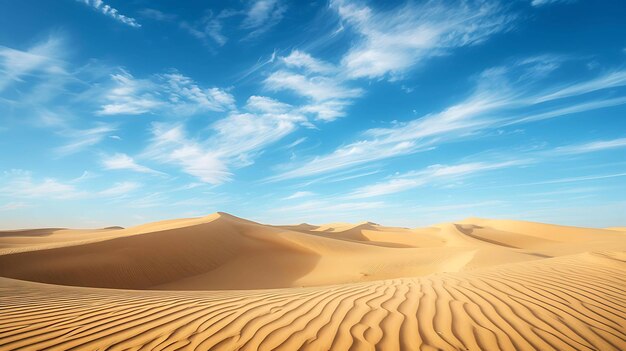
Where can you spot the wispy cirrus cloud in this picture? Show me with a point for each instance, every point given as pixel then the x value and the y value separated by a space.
pixel 593 146
pixel 80 139
pixel 21 184
pixel 431 174
pixel 442 174
pixel 169 92
pixel 119 189
pixel 234 142
pixel 327 93
pixel 303 60
pixel 538 3
pixel 218 28
pixel 394 41
pixel 389 44
pixel 299 195
pixel 171 145
pixel 41 60
pixel 497 101
pixel 606 81
pixel 157 15
pixel 32 83
pixel 109 11
pixel 420 134
pixel 209 29
pixel 317 88
pixel 128 95
pixel 261 15
pixel 121 161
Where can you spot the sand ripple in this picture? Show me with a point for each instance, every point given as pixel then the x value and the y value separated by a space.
pixel 573 302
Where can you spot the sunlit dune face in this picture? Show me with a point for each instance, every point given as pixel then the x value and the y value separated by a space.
pixel 312 286
pixel 350 138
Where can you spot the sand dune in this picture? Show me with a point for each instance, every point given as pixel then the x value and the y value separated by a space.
pixel 224 283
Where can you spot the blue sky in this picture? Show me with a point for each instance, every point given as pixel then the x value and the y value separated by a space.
pixel 407 113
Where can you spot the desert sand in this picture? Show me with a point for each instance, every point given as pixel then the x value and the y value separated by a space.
pixel 224 283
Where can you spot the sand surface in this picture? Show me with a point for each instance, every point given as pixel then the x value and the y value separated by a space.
pixel 224 283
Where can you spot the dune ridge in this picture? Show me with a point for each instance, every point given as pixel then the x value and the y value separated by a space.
pixel 224 283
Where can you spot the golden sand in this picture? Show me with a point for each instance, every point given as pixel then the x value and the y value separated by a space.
pixel 224 283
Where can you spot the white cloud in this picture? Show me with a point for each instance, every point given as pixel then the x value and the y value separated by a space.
pixel 129 96
pixel 42 59
pixel 267 105
pixel 295 143
pixel 572 109
pixel 157 15
pixel 258 17
pixel 390 43
pixel 262 15
pixel 326 110
pixel 431 174
pixel 186 96
pixel 82 138
pixel 593 146
pixel 389 187
pixel 606 81
pixel 419 134
pixel 209 27
pixel 394 41
pixel 20 184
pixel 119 189
pixel 299 59
pixel 575 179
pixel 172 92
pixel 494 104
pixel 241 133
pixel 298 195
pixel 441 174
pixel 236 140
pixel 171 145
pixel 259 12
pixel 122 161
pixel 538 3
pixel 328 95
pixel 107 10
pixel 318 88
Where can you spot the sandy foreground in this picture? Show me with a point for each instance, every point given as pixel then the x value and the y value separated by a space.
pixel 224 283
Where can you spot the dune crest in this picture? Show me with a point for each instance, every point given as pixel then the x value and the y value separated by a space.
pixel 221 282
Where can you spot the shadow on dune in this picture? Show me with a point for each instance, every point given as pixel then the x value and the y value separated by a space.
pixel 223 253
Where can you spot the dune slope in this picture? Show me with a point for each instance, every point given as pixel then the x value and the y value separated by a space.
pixel 568 303
pixel 221 251
pixel 224 283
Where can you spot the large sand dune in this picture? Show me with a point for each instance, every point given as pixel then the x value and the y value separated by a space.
pixel 225 283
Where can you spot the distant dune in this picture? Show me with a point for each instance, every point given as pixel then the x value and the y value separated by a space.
pixel 224 283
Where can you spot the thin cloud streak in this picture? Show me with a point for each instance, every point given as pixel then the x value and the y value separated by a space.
pixel 599 145
pixel 109 11
pixel 493 105
pixel 121 161
pixel 393 42
pixel 432 174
